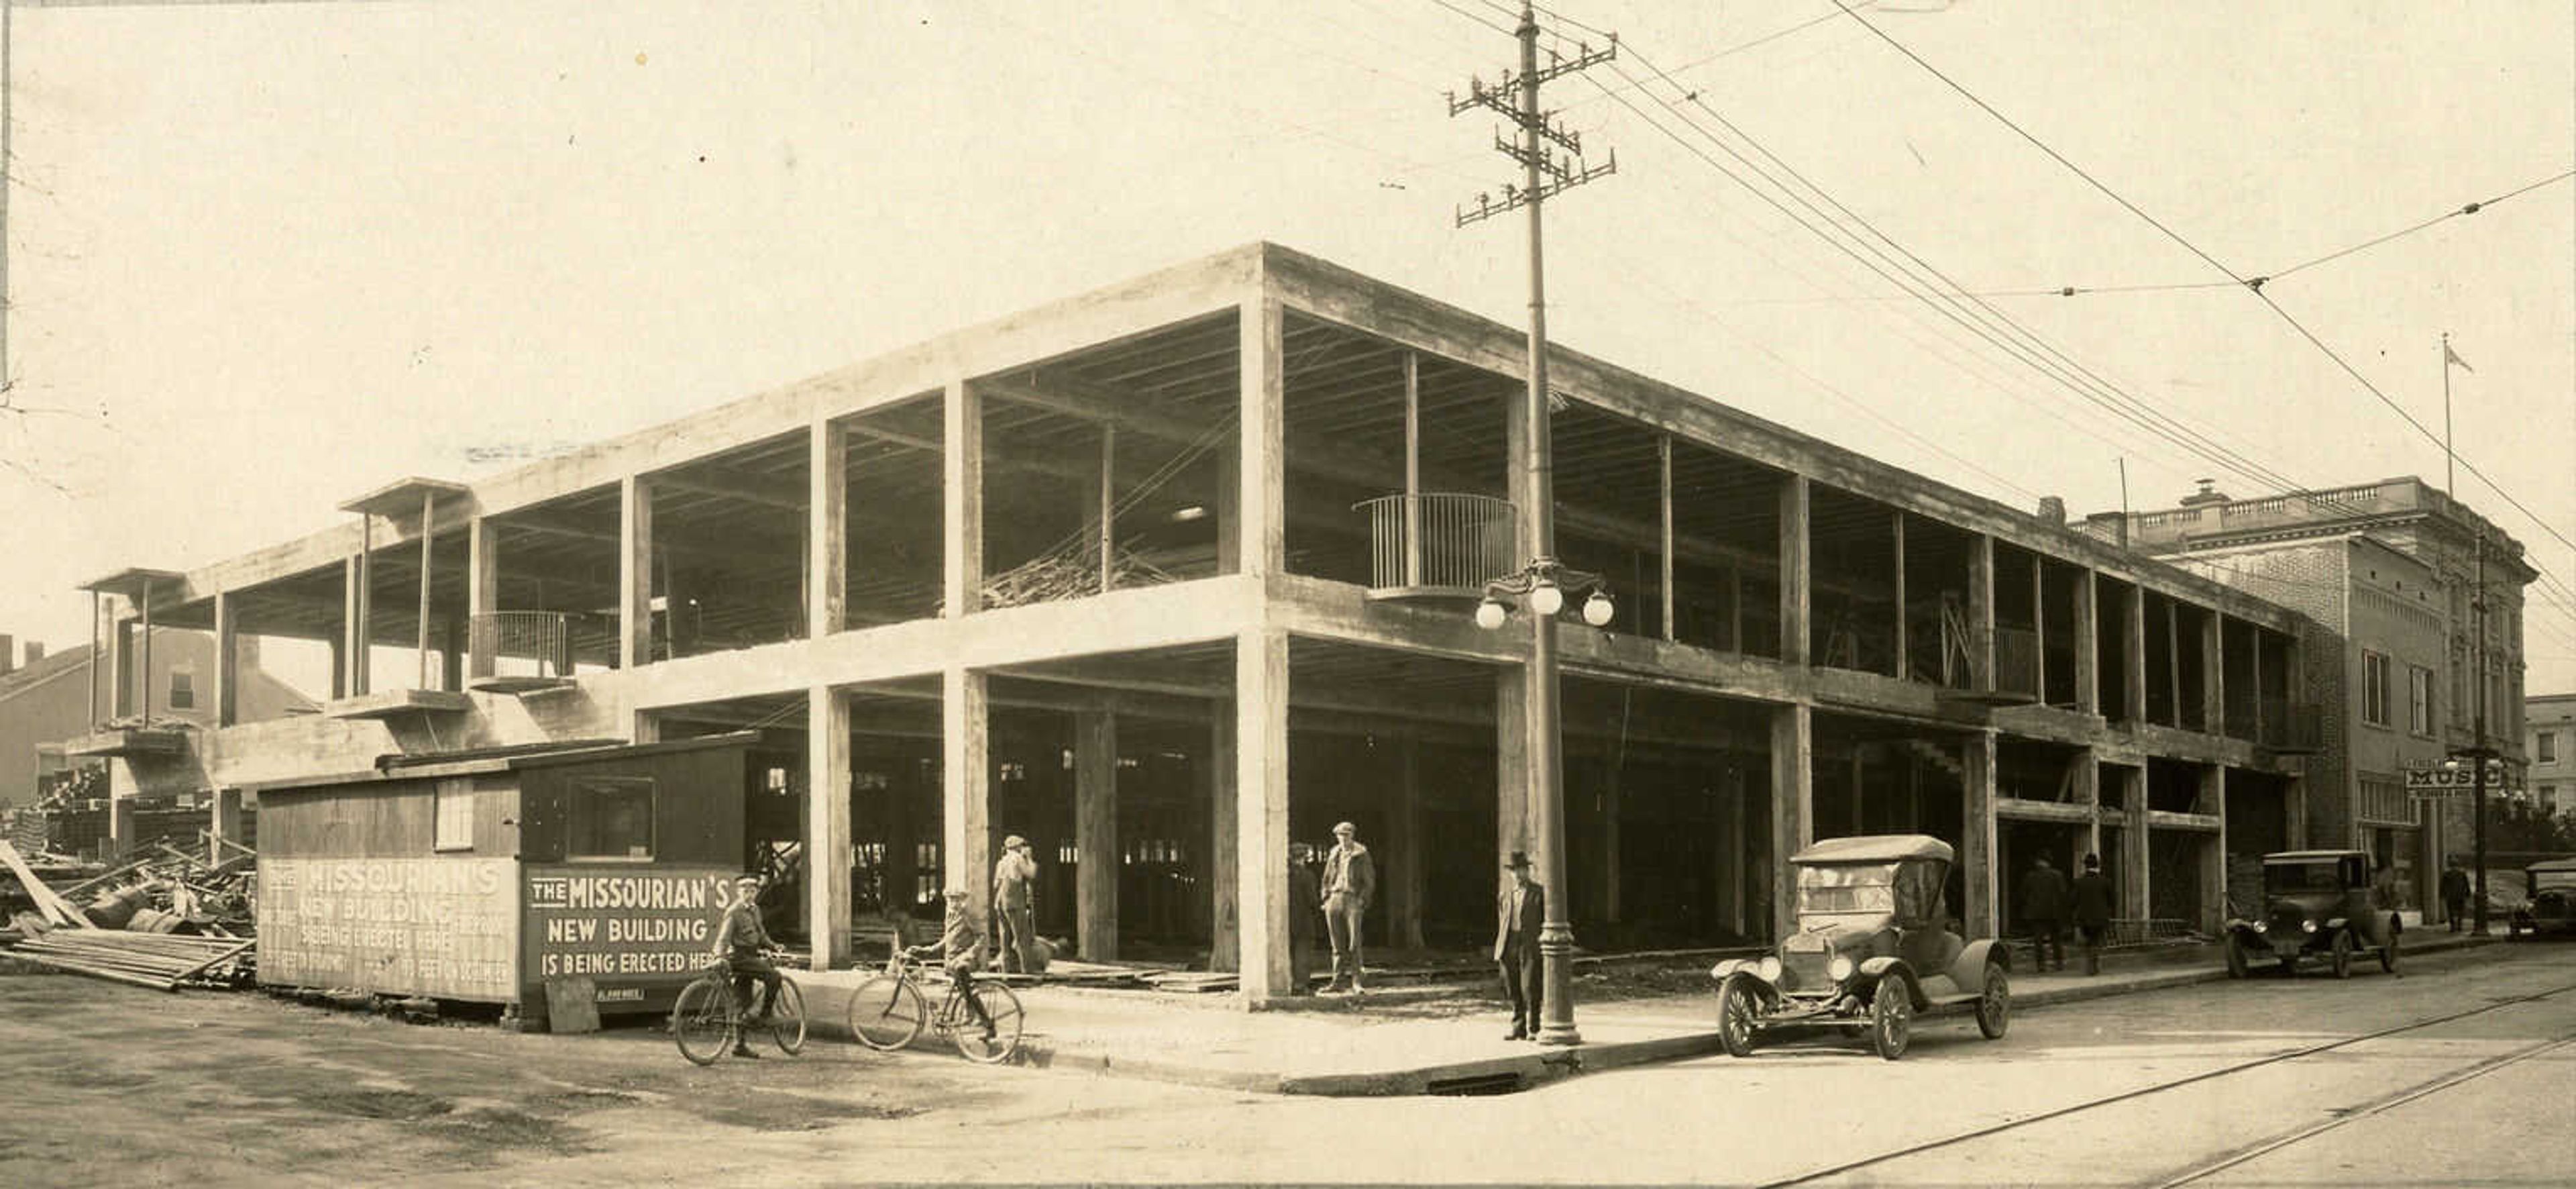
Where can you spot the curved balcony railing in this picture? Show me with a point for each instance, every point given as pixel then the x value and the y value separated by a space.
pixel 539 642
pixel 1446 544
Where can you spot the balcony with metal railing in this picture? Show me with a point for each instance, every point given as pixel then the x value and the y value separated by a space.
pixel 524 650
pixel 1437 544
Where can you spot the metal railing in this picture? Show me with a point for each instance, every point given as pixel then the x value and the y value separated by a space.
pixel 1438 541
pixel 544 638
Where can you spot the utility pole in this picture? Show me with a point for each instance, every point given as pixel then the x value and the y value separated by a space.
pixel 1543 173
pixel 2478 728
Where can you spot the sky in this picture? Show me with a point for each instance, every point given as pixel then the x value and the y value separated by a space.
pixel 264 258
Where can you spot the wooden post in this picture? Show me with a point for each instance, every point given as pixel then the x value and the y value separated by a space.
pixel 227 678
pixel 1903 664
pixel 1794 570
pixel 1793 807
pixel 1261 823
pixel 634 573
pixel 223 822
pixel 966 787
pixel 962 504
pixel 2134 900
pixel 1983 911
pixel 1981 611
pixel 482 597
pixel 1403 871
pixel 827 528
pixel 1664 547
pixel 1225 943
pixel 828 851
pixel 1095 834
pixel 2087 640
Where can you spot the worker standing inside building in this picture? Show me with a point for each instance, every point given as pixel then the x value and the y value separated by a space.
pixel 1350 877
pixel 1015 877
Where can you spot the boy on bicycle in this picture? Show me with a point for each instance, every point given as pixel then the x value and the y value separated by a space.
pixel 739 942
pixel 961 946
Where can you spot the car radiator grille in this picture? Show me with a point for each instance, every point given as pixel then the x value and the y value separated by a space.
pixel 1805 972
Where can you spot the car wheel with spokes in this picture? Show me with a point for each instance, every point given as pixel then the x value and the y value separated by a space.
pixel 1738 1011
pixel 2342 954
pixel 1891 1019
pixel 1994 1004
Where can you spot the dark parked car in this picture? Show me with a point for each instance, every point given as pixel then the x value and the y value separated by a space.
pixel 2552 905
pixel 1873 947
pixel 2314 901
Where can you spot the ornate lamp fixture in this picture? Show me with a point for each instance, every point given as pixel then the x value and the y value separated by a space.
pixel 1542 586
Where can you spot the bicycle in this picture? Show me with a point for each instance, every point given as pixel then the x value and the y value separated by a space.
pixel 888 1011
pixel 707 1020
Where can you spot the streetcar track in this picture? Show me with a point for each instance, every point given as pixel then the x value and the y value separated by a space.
pixel 1991 1129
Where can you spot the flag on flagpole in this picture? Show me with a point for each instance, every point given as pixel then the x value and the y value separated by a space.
pixel 2450 357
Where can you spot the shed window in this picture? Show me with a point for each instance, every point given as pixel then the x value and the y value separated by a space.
pixel 455 818
pixel 183 690
pixel 612 818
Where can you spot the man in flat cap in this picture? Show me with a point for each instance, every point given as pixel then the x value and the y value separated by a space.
pixel 1350 878
pixel 1015 877
pixel 1518 913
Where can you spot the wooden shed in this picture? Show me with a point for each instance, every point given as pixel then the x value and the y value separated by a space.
pixel 481 876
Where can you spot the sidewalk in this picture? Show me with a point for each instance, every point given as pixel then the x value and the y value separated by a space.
pixel 1345 1049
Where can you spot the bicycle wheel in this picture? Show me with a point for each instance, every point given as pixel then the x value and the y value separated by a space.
pixel 886 1013
pixel 787 1017
pixel 702 1021
pixel 1002 1006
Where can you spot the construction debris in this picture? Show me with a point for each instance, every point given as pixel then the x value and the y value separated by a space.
pixel 158 916
pixel 155 960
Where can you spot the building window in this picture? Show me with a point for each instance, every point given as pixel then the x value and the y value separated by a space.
pixel 2374 689
pixel 183 690
pixel 612 818
pixel 2546 748
pixel 2419 699
pixel 2385 800
pixel 455 816
pixel 2548 795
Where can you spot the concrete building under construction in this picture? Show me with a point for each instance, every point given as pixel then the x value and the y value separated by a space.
pixel 1170 573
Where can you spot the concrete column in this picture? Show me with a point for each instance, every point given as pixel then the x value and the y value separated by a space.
pixel 1734 852
pixel 2134 900
pixel 1261 822
pixel 1664 521
pixel 1261 483
pixel 353 627
pixel 482 597
pixel 223 822
pixel 966 787
pixel 2213 684
pixel 1225 949
pixel 1610 782
pixel 1095 834
pixel 1403 872
pixel 962 503
pixel 2294 807
pixel 1511 762
pixel 2213 855
pixel 1793 807
pixel 634 573
pixel 2087 639
pixel 227 677
pixel 1795 571
pixel 362 666
pixel 827 826
pixel 1983 912
pixel 827 527
pixel 1903 662
pixel 451 654
pixel 2135 674
pixel 120 816
pixel 1108 510
pixel 120 657
pixel 2039 624
pixel 428 538
pixel 2088 792
pixel 339 667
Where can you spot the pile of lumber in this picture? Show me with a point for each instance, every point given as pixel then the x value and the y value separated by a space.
pixel 155 960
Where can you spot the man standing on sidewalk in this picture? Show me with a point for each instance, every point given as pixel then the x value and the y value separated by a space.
pixel 2092 896
pixel 1519 912
pixel 2043 913
pixel 2455 893
pixel 1350 877
pixel 1015 877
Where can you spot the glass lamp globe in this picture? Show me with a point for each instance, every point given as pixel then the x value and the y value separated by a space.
pixel 1546 598
pixel 1489 615
pixel 1597 610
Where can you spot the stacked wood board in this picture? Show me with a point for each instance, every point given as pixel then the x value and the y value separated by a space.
pixel 157 960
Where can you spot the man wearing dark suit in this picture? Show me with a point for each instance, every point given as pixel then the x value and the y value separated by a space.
pixel 1518 913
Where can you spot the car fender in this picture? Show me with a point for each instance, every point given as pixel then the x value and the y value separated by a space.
pixel 1751 970
pixel 1876 971
pixel 2332 924
pixel 1967 972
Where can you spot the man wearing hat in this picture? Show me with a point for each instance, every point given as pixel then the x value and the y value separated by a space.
pixel 1518 913
pixel 960 949
pixel 2092 897
pixel 1350 878
pixel 739 942
pixel 1015 877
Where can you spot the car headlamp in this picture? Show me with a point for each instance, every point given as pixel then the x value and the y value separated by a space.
pixel 2307 926
pixel 1838 969
pixel 2260 927
pixel 1771 969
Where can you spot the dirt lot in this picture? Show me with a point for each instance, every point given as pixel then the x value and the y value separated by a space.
pixel 112 1084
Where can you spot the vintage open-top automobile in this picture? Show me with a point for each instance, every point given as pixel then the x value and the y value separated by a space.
pixel 2314 900
pixel 1872 948
pixel 2551 907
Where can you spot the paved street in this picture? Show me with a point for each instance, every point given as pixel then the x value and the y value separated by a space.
pixel 130 1087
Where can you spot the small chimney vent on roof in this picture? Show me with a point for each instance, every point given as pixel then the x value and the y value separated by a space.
pixel 2208 494
pixel 8 654
pixel 35 651
pixel 2052 510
